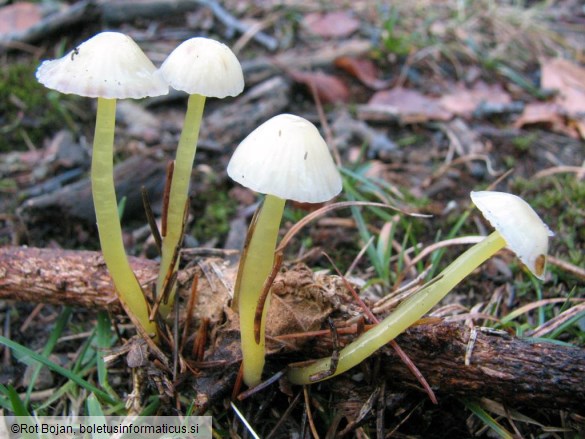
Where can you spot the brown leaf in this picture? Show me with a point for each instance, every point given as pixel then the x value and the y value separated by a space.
pixel 298 303
pixel 331 24
pixel 548 114
pixel 410 106
pixel 565 112
pixel 464 101
pixel 19 17
pixel 569 80
pixel 329 88
pixel 364 70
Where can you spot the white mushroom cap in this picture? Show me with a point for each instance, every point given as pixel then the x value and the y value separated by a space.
pixel 205 67
pixel 520 226
pixel 109 65
pixel 286 157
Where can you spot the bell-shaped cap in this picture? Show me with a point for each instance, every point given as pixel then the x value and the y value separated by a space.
pixel 109 65
pixel 204 66
pixel 286 157
pixel 520 226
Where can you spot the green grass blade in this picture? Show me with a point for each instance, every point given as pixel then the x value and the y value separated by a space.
pixel 25 352
pixel 487 419
pixel 438 255
pixel 60 324
pixel 4 399
pixel 365 236
pixel 16 405
pixel 104 338
pixel 94 409
pixel 566 325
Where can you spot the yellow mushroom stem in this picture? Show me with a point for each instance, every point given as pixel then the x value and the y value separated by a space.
pixel 179 193
pixel 108 221
pixel 406 314
pixel 255 266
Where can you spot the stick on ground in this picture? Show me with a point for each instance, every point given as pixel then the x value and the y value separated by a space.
pixel 514 371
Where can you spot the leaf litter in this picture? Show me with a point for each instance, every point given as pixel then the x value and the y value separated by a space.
pixel 424 105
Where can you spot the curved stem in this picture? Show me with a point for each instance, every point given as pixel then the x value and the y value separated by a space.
pixel 108 222
pixel 255 266
pixel 404 315
pixel 180 191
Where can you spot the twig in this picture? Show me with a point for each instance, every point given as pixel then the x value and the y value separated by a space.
pixel 308 411
pixel 518 372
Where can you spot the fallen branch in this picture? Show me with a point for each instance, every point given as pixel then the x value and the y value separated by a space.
pixel 517 372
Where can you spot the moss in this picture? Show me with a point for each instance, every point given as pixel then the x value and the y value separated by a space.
pixel 215 221
pixel 524 143
pixel 30 110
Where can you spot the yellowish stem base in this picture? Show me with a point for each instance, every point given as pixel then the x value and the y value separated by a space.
pixel 255 266
pixel 179 192
pixel 108 222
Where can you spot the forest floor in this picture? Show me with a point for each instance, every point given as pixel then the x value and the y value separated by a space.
pixel 421 103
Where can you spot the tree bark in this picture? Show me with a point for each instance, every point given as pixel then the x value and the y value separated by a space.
pixel 62 277
pixel 501 367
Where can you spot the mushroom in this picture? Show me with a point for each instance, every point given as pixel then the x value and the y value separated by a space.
pixel 517 226
pixel 203 68
pixel 108 66
pixel 287 159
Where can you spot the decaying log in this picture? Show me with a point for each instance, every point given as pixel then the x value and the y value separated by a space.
pixel 73 202
pixel 76 278
pixel 80 279
pixel 501 367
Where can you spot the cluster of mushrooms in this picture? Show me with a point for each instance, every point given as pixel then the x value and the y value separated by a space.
pixel 285 158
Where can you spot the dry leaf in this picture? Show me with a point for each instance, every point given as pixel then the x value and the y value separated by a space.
pixel 298 302
pixel 549 114
pixel 410 105
pixel 364 70
pixel 565 113
pixel 19 17
pixel 329 88
pixel 464 101
pixel 569 80
pixel 331 24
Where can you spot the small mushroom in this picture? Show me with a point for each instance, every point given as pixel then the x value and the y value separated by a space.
pixel 108 66
pixel 507 213
pixel 201 67
pixel 284 158
pixel 517 226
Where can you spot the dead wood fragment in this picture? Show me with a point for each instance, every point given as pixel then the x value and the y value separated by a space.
pixel 119 11
pixel 503 368
pixel 79 13
pixel 62 277
pixel 73 202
